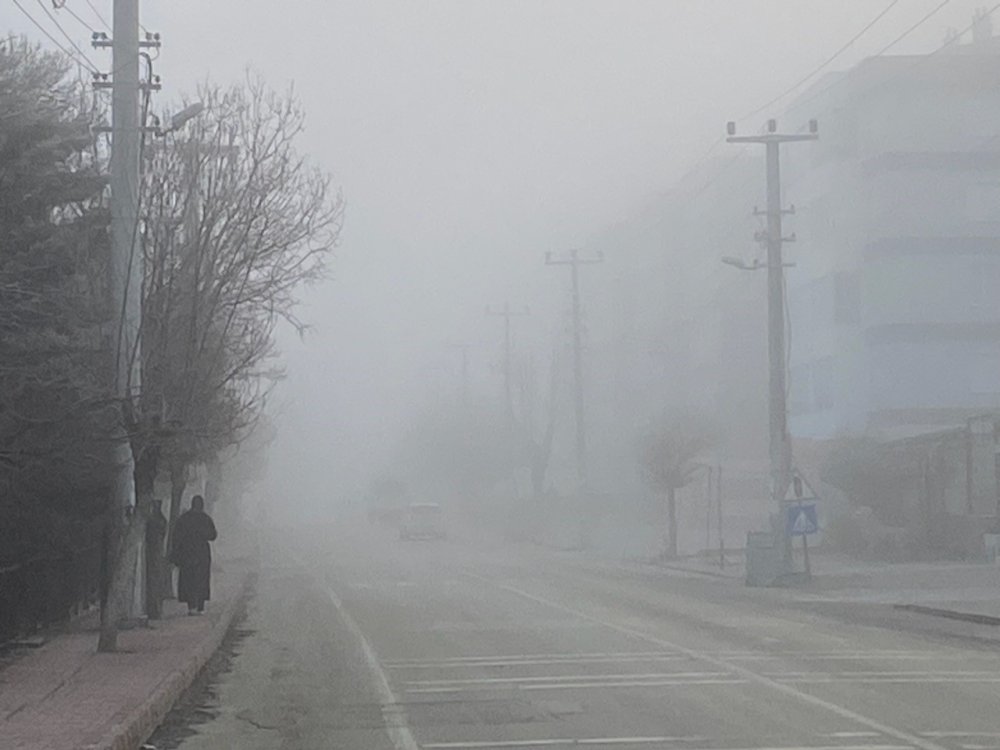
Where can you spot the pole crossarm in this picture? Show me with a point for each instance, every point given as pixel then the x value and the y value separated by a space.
pixel 773 138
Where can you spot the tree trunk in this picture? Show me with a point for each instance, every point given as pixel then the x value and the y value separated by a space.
pixel 671 522
pixel 126 539
pixel 146 469
pixel 178 482
pixel 117 543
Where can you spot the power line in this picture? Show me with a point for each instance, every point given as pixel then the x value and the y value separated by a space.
pixel 98 14
pixel 930 14
pixel 43 30
pixel 73 13
pixel 79 57
pixel 69 39
pixel 819 68
pixel 921 59
pixel 812 74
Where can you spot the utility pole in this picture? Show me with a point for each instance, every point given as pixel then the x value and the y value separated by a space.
pixel 574 261
pixel 780 449
pixel 507 313
pixel 126 290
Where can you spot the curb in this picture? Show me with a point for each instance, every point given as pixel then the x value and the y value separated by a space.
pixel 950 614
pixel 132 730
pixel 696 571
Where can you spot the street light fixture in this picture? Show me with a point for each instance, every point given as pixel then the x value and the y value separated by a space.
pixel 182 118
pixel 177 121
pixel 739 263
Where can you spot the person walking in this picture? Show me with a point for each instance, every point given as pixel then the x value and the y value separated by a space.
pixel 192 554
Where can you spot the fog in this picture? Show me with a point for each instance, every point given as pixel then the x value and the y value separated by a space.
pixel 469 139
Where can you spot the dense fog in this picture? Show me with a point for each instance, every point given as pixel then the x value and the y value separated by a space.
pixel 471 138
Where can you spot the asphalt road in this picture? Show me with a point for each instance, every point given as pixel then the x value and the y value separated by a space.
pixel 360 641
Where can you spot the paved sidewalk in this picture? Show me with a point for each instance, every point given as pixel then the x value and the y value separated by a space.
pixel 65 696
pixel 948 589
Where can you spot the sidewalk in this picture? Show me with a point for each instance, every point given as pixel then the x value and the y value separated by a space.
pixel 65 696
pixel 960 591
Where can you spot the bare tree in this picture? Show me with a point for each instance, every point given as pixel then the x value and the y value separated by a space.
pixel 667 459
pixel 234 222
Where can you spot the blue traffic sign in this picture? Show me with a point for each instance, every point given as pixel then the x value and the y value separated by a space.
pixel 801 520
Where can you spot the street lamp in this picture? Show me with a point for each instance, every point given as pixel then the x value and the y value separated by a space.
pixel 182 118
pixel 177 121
pixel 739 263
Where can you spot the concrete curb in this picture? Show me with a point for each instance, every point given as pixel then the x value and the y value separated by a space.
pixel 680 567
pixel 950 614
pixel 131 730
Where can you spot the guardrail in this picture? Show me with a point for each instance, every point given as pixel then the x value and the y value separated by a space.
pixel 47 589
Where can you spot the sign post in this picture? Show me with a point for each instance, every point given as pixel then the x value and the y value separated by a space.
pixel 801 520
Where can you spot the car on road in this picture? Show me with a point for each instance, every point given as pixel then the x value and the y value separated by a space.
pixel 422 521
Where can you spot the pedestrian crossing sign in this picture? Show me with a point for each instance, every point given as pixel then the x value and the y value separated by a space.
pixel 800 519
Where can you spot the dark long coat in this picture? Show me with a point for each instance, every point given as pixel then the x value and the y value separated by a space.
pixel 192 554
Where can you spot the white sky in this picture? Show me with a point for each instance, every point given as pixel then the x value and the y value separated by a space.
pixel 470 137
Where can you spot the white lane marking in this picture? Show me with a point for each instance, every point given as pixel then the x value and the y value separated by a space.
pixel 930 673
pixel 843 656
pixel 592 741
pixel 851 735
pixel 519 657
pixel 575 685
pixel 395 724
pixel 945 735
pixel 890 680
pixel 518 685
pixel 571 678
pixel 598 658
pixel 748 674
pixel 531 662
pixel 632 655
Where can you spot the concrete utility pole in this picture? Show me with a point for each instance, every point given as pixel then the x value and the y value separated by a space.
pixel 126 265
pixel 780 442
pixel 574 261
pixel 124 596
pixel 507 313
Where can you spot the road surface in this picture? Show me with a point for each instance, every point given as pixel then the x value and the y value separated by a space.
pixel 361 641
